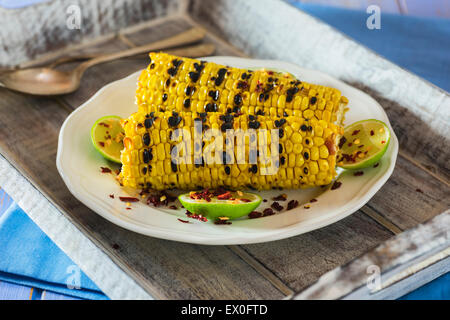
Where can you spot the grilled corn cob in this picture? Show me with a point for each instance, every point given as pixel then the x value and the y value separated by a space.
pixel 306 157
pixel 175 93
pixel 181 84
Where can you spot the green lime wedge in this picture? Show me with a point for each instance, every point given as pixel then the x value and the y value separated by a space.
pixel 107 137
pixel 240 204
pixel 363 144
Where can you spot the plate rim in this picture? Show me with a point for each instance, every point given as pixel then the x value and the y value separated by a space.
pixel 278 234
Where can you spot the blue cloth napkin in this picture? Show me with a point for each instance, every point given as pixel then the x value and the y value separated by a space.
pixel 420 45
pixel 28 257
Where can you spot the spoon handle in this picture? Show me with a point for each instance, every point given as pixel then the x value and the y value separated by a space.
pixel 187 37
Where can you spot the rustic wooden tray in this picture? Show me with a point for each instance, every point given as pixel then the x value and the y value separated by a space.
pixel 333 262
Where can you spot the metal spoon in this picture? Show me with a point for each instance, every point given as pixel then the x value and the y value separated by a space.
pixel 47 81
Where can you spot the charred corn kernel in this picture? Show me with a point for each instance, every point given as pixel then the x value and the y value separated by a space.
pixel 173 92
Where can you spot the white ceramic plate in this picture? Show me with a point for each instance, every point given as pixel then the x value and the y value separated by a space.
pixel 79 165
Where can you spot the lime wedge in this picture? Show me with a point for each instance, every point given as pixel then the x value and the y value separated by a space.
pixel 363 144
pixel 238 205
pixel 107 137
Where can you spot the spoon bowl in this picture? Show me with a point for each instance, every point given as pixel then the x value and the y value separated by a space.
pixel 40 81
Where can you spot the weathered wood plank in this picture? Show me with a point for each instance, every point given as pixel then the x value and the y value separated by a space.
pixel 86 19
pixel 28 138
pixel 145 33
pixel 301 260
pixel 389 264
pixel 411 196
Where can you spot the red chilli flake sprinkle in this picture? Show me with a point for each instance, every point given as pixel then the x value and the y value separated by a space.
pixel 355 132
pixel 383 142
pixel 105 170
pixel 268 212
pixel 281 197
pixel 199 217
pixel 358 173
pixel 128 199
pixel 224 196
pixel 372 133
pixel 313 200
pixel 222 222
pixel 292 204
pixel 105 125
pixel 342 142
pixel 184 221
pixel 102 144
pixel 276 206
pixel 376 164
pixel 173 207
pixel 255 214
pixel 245 200
pixel 419 190
pixel 336 185
pixel 111 196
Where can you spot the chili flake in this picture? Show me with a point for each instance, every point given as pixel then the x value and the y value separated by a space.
pixel 128 199
pixel 276 206
pixel 292 204
pixel 222 222
pixel 199 217
pixel 255 214
pixel 105 170
pixel 281 197
pixel 336 185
